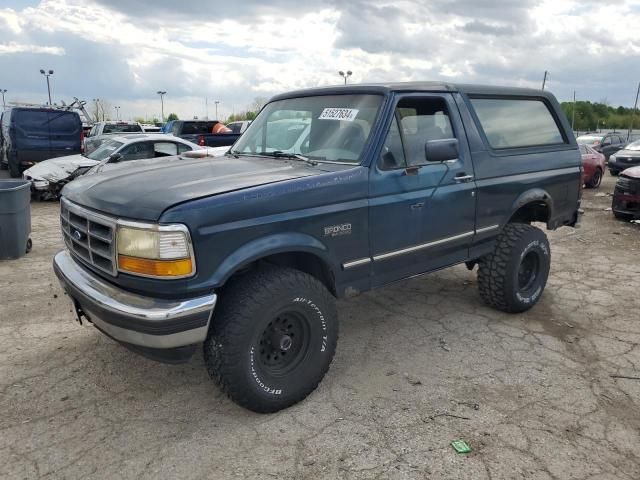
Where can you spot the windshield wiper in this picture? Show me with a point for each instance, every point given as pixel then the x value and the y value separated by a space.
pixel 297 156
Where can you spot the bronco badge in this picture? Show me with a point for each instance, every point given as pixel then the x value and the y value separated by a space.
pixel 337 230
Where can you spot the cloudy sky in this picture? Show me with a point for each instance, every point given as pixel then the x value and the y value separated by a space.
pixel 233 51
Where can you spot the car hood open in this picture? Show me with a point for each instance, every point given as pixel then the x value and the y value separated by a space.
pixel 145 193
pixel 58 169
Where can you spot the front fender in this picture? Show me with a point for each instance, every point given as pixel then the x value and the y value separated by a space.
pixel 270 245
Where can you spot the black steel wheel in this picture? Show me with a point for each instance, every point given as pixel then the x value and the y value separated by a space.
pixel 512 278
pixel 272 339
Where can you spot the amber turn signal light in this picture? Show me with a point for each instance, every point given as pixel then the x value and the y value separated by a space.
pixel 155 268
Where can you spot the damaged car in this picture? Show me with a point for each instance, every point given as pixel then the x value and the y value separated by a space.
pixel 626 196
pixel 48 177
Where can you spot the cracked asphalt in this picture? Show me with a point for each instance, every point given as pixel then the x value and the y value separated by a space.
pixel 419 364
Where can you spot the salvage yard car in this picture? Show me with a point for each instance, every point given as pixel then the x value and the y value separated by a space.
pixel 629 156
pixel 626 195
pixel 247 253
pixel 593 165
pixel 47 178
pixel 102 131
pixel 607 144
pixel 30 135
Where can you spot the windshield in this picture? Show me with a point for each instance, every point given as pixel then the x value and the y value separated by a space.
pixel 104 150
pixel 589 140
pixel 324 128
pixel 121 128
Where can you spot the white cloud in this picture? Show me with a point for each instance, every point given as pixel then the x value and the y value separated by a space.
pixel 14 47
pixel 125 51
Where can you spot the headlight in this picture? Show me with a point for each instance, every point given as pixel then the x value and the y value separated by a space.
pixel 612 158
pixel 162 251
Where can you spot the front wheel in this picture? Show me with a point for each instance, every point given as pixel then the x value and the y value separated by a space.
pixel 272 338
pixel 614 173
pixel 512 277
pixel 595 180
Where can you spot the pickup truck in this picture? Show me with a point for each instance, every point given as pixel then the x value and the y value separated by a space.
pixel 199 132
pixel 358 186
pixel 101 132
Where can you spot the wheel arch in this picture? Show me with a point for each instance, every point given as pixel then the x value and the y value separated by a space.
pixel 294 250
pixel 535 205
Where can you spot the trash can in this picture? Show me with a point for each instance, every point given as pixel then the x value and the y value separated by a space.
pixel 15 218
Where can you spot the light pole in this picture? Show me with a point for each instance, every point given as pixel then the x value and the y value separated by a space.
pixel 97 102
pixel 162 94
pixel 3 91
pixel 47 74
pixel 117 112
pixel 217 102
pixel 345 75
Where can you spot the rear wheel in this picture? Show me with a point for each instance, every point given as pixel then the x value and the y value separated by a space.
pixel 512 278
pixel 272 338
pixel 595 180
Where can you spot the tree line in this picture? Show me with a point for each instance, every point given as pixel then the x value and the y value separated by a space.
pixel 600 115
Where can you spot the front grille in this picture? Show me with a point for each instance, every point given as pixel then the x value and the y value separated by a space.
pixel 628 185
pixel 628 160
pixel 89 236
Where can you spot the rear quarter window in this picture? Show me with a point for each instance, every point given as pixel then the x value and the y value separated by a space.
pixel 513 123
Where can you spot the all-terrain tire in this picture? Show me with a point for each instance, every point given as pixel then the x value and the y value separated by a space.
pixel 519 249
pixel 269 301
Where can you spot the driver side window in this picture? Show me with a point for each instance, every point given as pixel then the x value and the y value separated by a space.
pixel 137 151
pixel 417 120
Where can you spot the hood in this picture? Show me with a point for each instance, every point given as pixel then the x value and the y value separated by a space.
pixel 633 172
pixel 134 165
pixel 60 168
pixel 628 152
pixel 144 192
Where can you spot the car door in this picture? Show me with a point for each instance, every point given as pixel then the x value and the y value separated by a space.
pixel 64 133
pixel 421 214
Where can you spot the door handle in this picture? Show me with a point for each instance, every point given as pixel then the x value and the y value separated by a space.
pixel 462 178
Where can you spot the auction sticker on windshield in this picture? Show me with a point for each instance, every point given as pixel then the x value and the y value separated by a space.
pixel 346 114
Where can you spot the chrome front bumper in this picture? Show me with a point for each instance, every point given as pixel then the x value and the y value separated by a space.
pixel 133 319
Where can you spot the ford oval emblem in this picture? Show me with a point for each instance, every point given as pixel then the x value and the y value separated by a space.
pixel 77 234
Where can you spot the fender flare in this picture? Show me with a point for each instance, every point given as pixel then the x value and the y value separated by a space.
pixel 533 195
pixel 256 249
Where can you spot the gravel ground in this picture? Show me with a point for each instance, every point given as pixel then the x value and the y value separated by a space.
pixel 419 364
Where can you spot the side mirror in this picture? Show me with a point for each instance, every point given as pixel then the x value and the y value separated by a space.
pixel 441 150
pixel 115 157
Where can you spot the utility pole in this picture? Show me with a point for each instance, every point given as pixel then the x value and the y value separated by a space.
pixel 47 74
pixel 206 107
pixel 544 80
pixel 633 113
pixel 217 102
pixel 3 91
pixel 162 93
pixel 573 114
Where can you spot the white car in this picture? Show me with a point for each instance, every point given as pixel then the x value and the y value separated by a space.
pixel 48 177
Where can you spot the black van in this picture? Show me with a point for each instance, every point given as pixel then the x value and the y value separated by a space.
pixel 30 135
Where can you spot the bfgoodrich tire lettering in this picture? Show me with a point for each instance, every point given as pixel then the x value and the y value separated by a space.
pixel 272 338
pixel 513 277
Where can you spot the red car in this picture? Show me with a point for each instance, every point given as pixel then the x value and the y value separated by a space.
pixel 593 165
